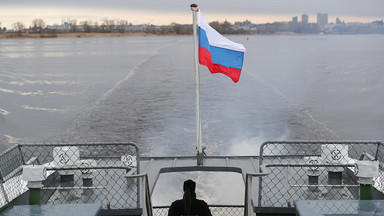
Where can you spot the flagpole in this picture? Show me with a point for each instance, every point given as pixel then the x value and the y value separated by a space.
pixel 194 9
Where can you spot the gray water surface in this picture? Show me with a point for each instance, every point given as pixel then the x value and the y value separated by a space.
pixel 142 89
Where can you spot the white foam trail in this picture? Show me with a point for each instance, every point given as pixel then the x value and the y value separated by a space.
pixel 12 82
pixel 42 109
pixel 39 82
pixel 250 146
pixel 38 92
pixel 11 139
pixel 131 73
pixel 276 90
pixel 11 75
pixel 4 112
pixel 295 105
pixel 309 114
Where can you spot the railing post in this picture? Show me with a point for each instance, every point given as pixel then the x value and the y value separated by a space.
pixel 289 196
pixel 34 196
pixel 365 192
pixel 261 152
pixel 21 153
pixel 366 171
pixel 248 206
pixel 35 176
pixel 248 200
pixel 145 199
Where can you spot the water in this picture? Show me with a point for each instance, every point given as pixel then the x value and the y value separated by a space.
pixel 141 89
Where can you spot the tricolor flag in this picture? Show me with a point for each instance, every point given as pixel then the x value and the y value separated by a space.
pixel 218 53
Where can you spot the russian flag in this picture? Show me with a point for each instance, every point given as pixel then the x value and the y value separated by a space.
pixel 218 53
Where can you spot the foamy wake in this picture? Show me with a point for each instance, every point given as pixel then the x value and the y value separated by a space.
pixel 9 139
pixel 43 109
pixel 37 92
pixel 250 146
pixel 131 73
pixel 4 112
pixel 296 106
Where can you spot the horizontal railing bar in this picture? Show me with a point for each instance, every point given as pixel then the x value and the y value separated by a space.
pixel 87 167
pixel 8 150
pixel 324 142
pixel 100 157
pixel 325 185
pixel 18 169
pixel 69 188
pixel 12 174
pixel 74 144
pixel 200 168
pixel 264 172
pixel 309 165
pixel 194 157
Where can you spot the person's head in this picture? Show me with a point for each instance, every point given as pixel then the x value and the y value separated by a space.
pixel 189 193
pixel 189 185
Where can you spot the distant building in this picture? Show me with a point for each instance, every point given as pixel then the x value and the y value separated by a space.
pixel 294 19
pixel 65 27
pixel 338 21
pixel 378 23
pixel 244 24
pixel 322 19
pixel 304 18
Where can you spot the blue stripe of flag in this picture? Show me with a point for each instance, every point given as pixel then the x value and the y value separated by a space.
pixel 226 57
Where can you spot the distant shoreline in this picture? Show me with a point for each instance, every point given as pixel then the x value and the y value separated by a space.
pixel 77 35
pixel 128 34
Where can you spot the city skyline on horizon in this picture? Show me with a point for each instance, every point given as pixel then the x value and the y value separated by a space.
pixel 259 20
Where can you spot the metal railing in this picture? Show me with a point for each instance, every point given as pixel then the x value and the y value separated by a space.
pixel 78 173
pixel 313 170
pixel 108 174
pixel 147 209
pixel 216 210
pixel 248 188
pixel 11 185
pixel 379 181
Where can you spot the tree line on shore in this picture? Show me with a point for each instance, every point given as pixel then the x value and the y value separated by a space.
pixel 113 26
pixel 38 26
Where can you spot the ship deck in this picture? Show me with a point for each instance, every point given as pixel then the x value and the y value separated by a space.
pixel 122 181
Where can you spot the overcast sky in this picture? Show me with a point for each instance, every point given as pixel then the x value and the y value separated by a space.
pixel 167 11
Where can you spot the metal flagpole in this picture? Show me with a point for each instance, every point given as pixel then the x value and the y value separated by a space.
pixel 194 9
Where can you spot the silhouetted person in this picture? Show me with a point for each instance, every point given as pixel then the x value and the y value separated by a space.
pixel 189 205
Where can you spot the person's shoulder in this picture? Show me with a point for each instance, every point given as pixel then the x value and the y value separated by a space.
pixel 176 208
pixel 204 207
pixel 201 202
pixel 176 202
